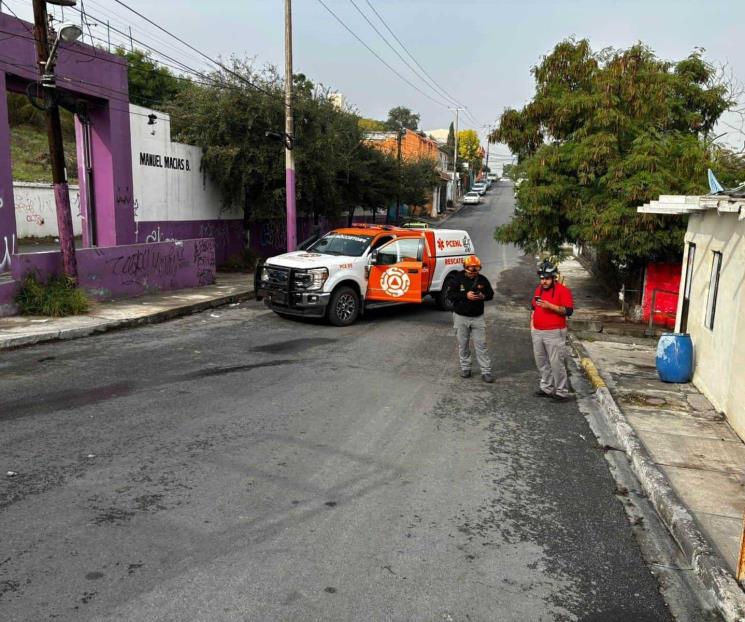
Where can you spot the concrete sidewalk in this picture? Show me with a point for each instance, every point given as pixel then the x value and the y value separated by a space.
pixel 229 288
pixel 688 460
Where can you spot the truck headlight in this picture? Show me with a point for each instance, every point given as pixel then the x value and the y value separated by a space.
pixel 264 274
pixel 311 280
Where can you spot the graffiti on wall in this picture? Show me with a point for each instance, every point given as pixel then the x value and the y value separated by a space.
pixel 155 236
pixel 204 260
pixel 143 265
pixel 36 212
pixel 10 249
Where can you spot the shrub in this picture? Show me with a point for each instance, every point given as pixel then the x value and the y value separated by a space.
pixel 58 297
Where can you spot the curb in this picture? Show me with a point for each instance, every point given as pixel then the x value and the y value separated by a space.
pixel 108 325
pixel 708 565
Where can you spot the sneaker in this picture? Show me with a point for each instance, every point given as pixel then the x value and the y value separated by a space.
pixel 487 378
pixel 542 393
pixel 561 398
pixel 465 373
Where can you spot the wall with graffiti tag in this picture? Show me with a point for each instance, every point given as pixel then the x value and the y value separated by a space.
pixel 127 271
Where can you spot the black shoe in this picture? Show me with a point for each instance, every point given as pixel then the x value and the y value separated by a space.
pixel 465 373
pixel 487 378
pixel 541 393
pixel 561 398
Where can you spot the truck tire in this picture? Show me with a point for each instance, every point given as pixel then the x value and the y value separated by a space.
pixel 344 306
pixel 441 299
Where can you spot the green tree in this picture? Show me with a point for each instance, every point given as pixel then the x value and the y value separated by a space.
pixel 401 116
pixel 450 143
pixel 337 170
pixel 604 133
pixel 372 125
pixel 150 84
pixel 469 149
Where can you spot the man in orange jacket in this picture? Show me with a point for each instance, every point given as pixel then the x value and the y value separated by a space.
pixel 552 304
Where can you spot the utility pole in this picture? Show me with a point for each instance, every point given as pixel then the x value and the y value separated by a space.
pixel 56 148
pixel 488 142
pixel 455 157
pixel 289 134
pixel 401 133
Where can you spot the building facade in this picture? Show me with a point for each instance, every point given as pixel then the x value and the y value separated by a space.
pixel 415 146
pixel 711 305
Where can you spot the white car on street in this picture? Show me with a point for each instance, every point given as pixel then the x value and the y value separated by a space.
pixel 479 187
pixel 472 198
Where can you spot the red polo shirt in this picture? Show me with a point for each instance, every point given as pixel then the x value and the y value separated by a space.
pixel 543 319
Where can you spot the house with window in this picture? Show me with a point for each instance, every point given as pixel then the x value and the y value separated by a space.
pixel 414 146
pixel 711 304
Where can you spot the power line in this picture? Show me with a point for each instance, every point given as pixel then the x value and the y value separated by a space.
pixel 395 51
pixel 374 53
pixel 424 71
pixel 202 54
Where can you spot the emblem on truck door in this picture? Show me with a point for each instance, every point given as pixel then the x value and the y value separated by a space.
pixel 395 282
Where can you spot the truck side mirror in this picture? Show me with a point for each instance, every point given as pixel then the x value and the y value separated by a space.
pixel 374 257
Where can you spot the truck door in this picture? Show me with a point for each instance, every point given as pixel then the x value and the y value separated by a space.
pixel 397 275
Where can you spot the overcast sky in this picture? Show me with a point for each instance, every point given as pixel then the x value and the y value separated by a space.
pixel 480 51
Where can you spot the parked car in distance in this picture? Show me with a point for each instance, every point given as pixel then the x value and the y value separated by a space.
pixel 479 187
pixel 472 198
pixel 492 177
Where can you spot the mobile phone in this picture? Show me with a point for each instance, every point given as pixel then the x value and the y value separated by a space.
pixel 537 298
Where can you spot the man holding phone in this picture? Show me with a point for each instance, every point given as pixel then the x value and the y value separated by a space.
pixel 468 291
pixel 552 304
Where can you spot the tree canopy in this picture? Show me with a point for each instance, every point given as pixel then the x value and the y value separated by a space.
pixel 150 84
pixel 469 149
pixel 604 133
pixel 402 117
pixel 337 170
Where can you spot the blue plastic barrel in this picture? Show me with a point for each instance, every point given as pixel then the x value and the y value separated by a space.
pixel 675 357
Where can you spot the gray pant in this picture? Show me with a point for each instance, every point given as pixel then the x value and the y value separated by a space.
pixel 548 349
pixel 466 329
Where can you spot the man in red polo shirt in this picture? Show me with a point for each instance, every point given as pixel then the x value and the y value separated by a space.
pixel 552 304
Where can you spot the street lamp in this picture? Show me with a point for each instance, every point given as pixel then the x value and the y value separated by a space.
pixel 68 33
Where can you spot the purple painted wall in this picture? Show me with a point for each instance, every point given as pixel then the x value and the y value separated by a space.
pixel 228 234
pixel 8 293
pixel 127 271
pixel 99 78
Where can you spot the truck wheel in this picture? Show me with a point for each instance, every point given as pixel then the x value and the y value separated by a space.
pixel 441 300
pixel 344 306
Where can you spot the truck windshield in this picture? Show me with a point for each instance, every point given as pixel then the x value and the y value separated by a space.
pixel 341 244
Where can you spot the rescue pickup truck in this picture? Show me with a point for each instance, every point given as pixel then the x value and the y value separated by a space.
pixel 355 268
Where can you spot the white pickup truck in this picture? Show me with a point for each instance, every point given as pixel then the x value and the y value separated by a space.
pixel 362 266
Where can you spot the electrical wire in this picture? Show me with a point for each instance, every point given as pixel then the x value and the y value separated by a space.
pixel 397 53
pixel 411 56
pixel 202 54
pixel 380 58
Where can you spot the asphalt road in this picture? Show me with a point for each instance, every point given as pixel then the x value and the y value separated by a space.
pixel 233 465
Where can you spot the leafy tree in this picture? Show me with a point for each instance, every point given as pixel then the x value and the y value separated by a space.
pixel 606 132
pixel 450 143
pixel 372 125
pixel 469 149
pixel 150 84
pixel 401 116
pixel 337 170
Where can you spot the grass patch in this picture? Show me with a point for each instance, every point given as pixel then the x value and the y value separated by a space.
pixel 29 153
pixel 58 297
